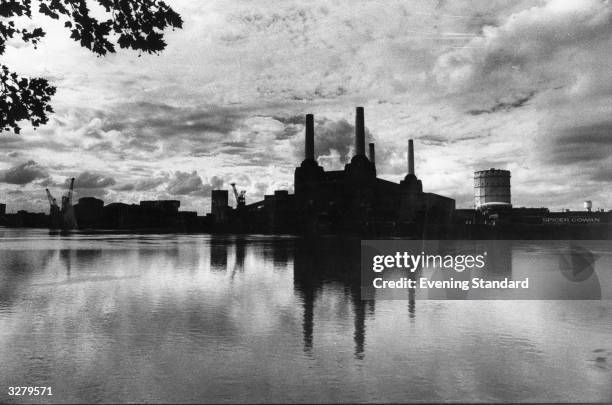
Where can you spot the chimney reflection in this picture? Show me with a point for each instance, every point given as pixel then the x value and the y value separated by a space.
pixel 411 303
pixel 308 318
pixel 331 261
pixel 359 310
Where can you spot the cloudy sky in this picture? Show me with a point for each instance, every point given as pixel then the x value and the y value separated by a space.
pixel 518 85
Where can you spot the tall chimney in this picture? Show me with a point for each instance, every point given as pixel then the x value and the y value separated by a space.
pixel 410 157
pixel 372 154
pixel 359 132
pixel 309 148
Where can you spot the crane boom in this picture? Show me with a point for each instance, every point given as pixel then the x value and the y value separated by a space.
pixel 235 192
pixel 52 201
pixel 240 198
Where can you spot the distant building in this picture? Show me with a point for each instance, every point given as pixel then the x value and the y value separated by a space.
pixel 167 206
pixel 89 212
pixel 219 206
pixel 119 215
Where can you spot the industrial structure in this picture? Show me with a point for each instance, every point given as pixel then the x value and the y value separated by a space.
pixel 356 200
pixel 350 200
pixel 64 217
pixel 492 189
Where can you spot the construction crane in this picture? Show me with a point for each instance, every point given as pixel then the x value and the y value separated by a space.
pixel 55 218
pixel 240 197
pixel 62 217
pixel 52 201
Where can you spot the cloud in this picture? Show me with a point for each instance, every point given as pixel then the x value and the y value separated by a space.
pixel 163 120
pixel 585 144
pixel 88 180
pixel 47 182
pixel 183 183
pixel 505 105
pixel 143 184
pixel 216 182
pixel 521 52
pixel 24 173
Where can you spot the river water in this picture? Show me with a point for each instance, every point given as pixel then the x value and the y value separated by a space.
pixel 201 318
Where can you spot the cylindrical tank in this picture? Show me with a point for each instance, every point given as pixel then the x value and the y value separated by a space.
pixel 588 205
pixel 492 188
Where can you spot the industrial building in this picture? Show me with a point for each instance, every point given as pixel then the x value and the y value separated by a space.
pixel 152 214
pixel 356 200
pixel 220 209
pixel 89 212
pixel 350 200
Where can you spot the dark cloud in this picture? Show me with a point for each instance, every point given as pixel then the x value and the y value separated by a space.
pixel 289 131
pixel 216 182
pixel 157 120
pixel 147 128
pixel 142 146
pixel 293 125
pixel 100 147
pixel 183 183
pixel 437 140
pixel 322 92
pixel 125 187
pixel 331 136
pixel 48 182
pixel 15 143
pixel 291 119
pixel 587 144
pixel 88 180
pixel 505 105
pixel 143 184
pixel 24 173
pixel 236 145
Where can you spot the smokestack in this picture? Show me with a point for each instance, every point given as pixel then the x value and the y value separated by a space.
pixel 309 149
pixel 359 132
pixel 410 157
pixel 372 154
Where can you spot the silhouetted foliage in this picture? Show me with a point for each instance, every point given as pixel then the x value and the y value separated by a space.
pixel 132 24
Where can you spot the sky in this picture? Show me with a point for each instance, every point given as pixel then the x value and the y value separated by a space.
pixel 519 85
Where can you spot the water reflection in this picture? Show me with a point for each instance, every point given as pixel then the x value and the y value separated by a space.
pixel 196 318
pixel 320 262
pixel 218 253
